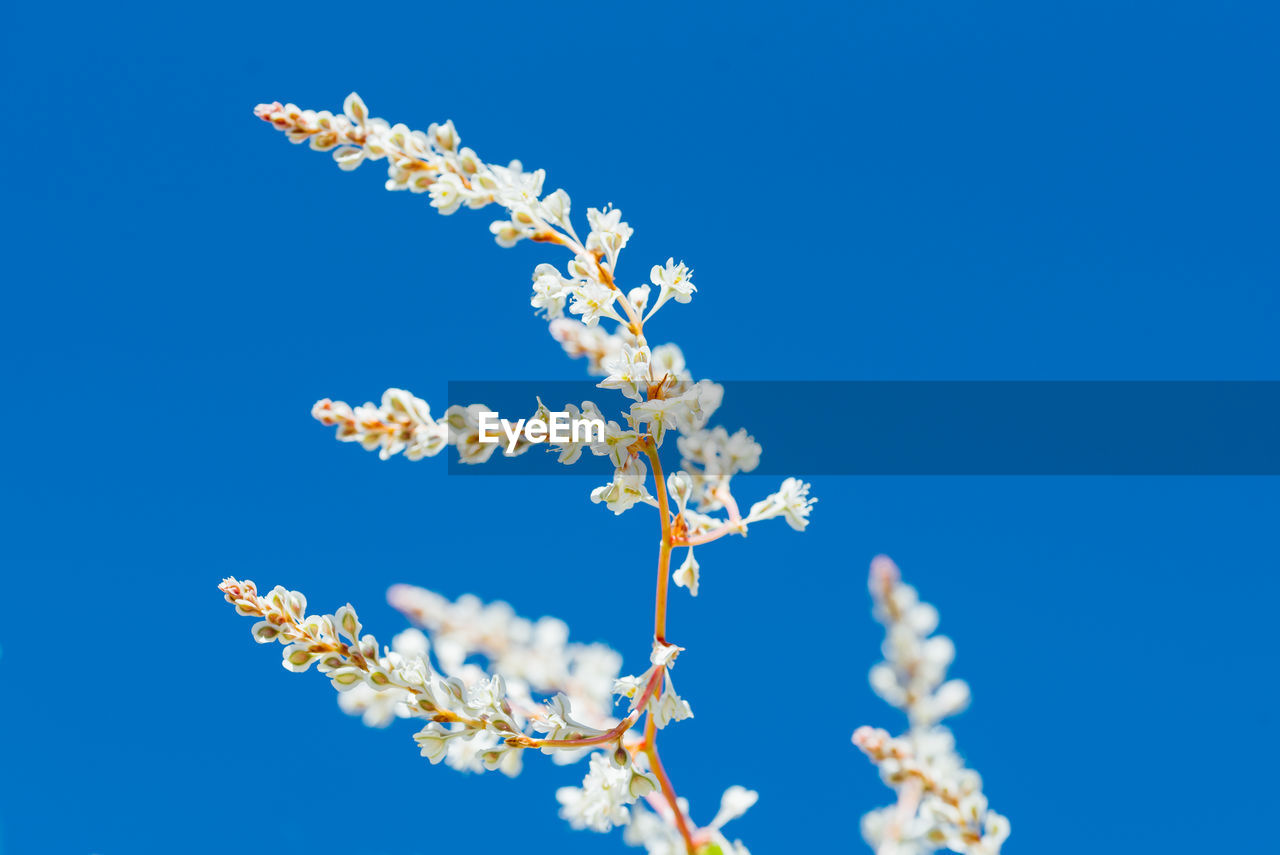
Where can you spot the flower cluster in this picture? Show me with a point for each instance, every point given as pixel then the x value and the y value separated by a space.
pixel 656 379
pixel 481 719
pixel 401 423
pixel 940 801
pixel 454 708
pixel 534 657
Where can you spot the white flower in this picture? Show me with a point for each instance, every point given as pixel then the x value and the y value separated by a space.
pixel 508 233
pixel 376 709
pixel 626 488
pixel 550 290
pixel 444 136
pixel 791 501
pixel 734 803
pixel 355 110
pixel 601 802
pixel 516 189
pixel 464 433
pixel 593 301
pixel 629 372
pixel 667 706
pixel 680 488
pixel 639 297
pixel 557 720
pixel 446 193
pixel 348 157
pixel 584 268
pixel 668 360
pixel 433 740
pixel 673 281
pixel 660 414
pixel 641 783
pixel 655 833
pixel 555 208
pixel 627 687
pixel 617 444
pixel 579 439
pixel 608 233
pixel 686 576
pixel 716 452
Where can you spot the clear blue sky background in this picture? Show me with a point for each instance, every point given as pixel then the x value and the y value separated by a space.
pixel 946 190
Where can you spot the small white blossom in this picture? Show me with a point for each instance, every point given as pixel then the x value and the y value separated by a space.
pixel 686 575
pixel 668 361
pixel 680 488
pixel 673 281
pixel 639 297
pixel 557 721
pixel 571 450
pixel 626 488
pixel 617 444
pixel 735 802
pixel 593 301
pixel 660 414
pixel 716 452
pixel 608 233
pixel 550 291
pixel 464 433
pixel 555 208
pixel 791 502
pixel 433 741
pixel 601 802
pixel 507 233
pixel 446 193
pixel 629 372
pixel 667 706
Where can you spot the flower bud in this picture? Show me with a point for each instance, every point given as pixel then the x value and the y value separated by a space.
pixel 641 784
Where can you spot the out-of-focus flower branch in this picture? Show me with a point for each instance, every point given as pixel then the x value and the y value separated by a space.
pixel 940 801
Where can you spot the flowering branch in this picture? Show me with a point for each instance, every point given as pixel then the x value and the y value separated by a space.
pixel 489 684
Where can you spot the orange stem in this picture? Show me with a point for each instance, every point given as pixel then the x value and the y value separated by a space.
pixel 660 634
pixel 664 551
pixel 651 751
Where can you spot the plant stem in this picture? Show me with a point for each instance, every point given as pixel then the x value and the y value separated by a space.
pixel 651 751
pixel 664 551
pixel 660 635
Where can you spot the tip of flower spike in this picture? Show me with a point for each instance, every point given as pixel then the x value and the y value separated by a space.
pixel 265 111
pixel 884 573
pixel 869 739
pixel 233 589
pixel 229 584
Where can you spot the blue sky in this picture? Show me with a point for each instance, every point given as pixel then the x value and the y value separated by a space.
pixel 900 190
